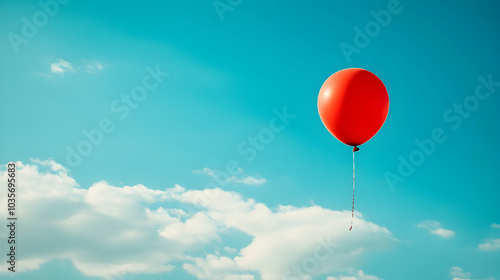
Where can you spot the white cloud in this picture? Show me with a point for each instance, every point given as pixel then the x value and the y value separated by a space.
pixel 492 244
pixel 107 230
pixel 457 273
pixel 434 227
pixel 360 275
pixel 62 66
pixel 199 228
pixel 103 230
pixel 222 177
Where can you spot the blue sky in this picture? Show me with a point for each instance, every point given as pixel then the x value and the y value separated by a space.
pixel 233 68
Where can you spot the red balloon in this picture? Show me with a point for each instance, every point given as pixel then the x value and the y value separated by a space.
pixel 353 104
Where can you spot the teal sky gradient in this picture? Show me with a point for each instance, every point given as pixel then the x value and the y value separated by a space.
pixel 225 79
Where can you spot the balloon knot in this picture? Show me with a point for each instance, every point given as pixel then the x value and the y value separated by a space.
pixel 355 149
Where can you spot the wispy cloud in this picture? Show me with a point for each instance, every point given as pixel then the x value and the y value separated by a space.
pixel 249 180
pixel 492 244
pixel 62 66
pixel 93 66
pixel 238 177
pixel 434 227
pixel 457 273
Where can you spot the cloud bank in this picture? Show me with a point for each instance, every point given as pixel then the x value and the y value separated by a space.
pixel 105 231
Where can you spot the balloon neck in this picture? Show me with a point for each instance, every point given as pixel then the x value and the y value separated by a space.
pixel 355 149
